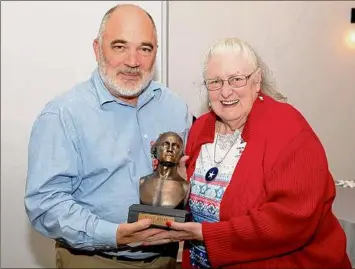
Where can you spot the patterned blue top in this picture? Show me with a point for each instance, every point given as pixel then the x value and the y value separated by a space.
pixel 206 195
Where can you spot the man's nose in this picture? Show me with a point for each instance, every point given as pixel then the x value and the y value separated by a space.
pixel 132 59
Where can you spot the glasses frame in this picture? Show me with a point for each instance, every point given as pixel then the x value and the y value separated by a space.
pixel 228 80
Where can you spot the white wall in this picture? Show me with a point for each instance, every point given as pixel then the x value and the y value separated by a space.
pixel 46 48
pixel 302 41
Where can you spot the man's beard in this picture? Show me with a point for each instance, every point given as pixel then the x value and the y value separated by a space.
pixel 114 86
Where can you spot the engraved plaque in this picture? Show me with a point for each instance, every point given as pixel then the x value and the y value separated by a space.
pixel 159 215
pixel 158 220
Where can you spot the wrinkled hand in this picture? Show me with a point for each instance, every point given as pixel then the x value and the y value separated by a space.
pixel 181 169
pixel 178 232
pixel 135 232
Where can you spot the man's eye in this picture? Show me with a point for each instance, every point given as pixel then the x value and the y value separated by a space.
pixel 146 50
pixel 119 47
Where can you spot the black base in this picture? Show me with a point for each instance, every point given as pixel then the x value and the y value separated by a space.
pixel 159 215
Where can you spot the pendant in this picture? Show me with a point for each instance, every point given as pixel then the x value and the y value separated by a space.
pixel 211 174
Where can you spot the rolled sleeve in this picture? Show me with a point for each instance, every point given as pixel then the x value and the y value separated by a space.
pixel 105 234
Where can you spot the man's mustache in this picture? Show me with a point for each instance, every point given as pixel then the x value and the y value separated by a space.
pixel 131 70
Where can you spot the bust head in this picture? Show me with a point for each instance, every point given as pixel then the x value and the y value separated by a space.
pixel 168 149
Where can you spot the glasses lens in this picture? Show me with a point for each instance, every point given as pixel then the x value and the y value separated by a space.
pixel 213 84
pixel 238 81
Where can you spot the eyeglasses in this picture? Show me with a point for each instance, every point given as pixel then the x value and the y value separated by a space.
pixel 236 81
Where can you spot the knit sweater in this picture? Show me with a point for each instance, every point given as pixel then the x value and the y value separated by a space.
pixel 277 210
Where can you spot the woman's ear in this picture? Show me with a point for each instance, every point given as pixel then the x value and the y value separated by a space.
pixel 257 81
pixel 257 77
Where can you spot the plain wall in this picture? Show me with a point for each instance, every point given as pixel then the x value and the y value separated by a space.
pixel 303 44
pixel 46 48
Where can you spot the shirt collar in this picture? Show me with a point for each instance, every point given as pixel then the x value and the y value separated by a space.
pixel 104 96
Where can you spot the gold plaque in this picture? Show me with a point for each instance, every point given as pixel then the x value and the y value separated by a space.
pixel 157 219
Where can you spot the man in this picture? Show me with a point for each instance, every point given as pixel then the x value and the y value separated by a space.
pixel 89 147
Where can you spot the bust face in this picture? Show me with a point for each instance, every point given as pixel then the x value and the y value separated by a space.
pixel 170 148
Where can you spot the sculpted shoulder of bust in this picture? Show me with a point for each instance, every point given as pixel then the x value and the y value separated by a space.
pixel 165 187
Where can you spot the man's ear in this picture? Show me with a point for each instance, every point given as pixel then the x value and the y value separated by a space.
pixel 96 47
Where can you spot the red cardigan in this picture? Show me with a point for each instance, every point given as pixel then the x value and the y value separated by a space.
pixel 276 211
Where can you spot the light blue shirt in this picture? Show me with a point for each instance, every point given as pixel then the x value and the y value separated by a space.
pixel 87 151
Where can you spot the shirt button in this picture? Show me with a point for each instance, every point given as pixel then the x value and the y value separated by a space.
pixel 145 136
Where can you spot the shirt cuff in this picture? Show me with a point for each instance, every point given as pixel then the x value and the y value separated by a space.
pixel 105 234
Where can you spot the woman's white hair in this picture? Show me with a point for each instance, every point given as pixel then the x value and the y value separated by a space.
pixel 243 49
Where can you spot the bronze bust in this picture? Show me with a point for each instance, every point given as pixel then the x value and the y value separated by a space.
pixel 165 187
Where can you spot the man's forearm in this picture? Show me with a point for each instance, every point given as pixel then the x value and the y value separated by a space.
pixel 72 222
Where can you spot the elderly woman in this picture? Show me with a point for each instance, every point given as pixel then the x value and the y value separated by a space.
pixel 261 190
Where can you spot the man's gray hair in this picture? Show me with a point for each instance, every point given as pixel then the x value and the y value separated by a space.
pixel 108 15
pixel 267 83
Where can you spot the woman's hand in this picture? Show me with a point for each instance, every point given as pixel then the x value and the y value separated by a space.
pixel 178 232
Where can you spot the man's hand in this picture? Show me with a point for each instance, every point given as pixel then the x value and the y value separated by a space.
pixel 135 232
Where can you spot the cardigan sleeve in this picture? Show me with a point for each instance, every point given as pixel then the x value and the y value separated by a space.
pixel 296 196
